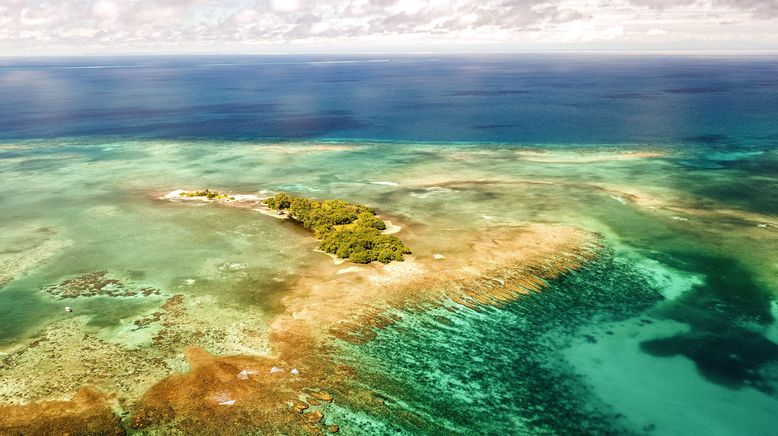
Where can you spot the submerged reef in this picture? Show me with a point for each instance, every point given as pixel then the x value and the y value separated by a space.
pixel 349 231
pixel 98 283
pixel 454 360
pixel 26 248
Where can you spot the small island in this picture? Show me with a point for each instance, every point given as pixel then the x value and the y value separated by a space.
pixel 346 230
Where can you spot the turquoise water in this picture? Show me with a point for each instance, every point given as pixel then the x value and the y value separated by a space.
pixel 672 330
pixel 602 351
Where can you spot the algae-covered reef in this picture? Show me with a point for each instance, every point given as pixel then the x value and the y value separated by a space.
pixel 349 231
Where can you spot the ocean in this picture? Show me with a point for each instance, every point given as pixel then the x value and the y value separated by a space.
pixel 668 162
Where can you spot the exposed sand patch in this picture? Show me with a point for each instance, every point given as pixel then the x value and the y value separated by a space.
pixel 350 269
pixel 13 146
pixel 295 149
pixel 335 259
pixel 573 157
pixel 245 201
pixel 391 228
pixel 264 210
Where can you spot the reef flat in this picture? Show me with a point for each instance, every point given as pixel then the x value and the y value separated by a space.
pixel 542 283
pixel 280 391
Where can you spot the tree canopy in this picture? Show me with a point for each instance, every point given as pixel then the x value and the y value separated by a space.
pixel 211 195
pixel 349 231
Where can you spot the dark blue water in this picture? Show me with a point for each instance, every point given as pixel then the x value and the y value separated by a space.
pixel 529 98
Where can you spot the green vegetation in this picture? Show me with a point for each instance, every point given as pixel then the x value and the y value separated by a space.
pixel 349 231
pixel 211 195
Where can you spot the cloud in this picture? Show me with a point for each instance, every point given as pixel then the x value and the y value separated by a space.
pixel 759 9
pixel 210 25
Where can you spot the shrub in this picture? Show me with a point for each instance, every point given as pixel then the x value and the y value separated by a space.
pixel 211 195
pixel 349 231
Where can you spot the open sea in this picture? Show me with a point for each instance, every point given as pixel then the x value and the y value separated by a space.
pixel 671 160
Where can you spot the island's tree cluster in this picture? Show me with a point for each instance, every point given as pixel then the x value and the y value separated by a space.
pixel 349 231
pixel 211 195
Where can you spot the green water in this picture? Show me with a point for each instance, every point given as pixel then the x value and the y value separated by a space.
pixel 674 327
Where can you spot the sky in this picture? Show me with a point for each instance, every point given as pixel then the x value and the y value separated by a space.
pixel 71 27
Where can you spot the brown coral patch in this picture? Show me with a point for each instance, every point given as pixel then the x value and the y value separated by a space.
pixel 238 393
pixel 490 268
pixel 88 413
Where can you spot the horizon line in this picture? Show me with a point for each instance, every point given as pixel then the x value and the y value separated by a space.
pixel 401 52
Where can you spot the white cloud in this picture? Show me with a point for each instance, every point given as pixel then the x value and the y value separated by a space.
pixel 285 5
pixel 38 26
pixel 106 10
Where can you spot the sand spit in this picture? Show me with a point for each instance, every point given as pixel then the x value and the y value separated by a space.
pixel 292 149
pixel 13 146
pixel 335 259
pixel 245 201
pixel 569 156
pixel 573 157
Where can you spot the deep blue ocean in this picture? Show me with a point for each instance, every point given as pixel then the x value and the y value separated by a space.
pixel 528 98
